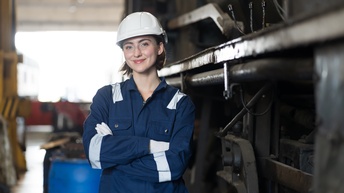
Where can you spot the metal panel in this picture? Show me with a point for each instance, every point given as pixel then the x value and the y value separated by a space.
pixel 211 10
pixel 329 149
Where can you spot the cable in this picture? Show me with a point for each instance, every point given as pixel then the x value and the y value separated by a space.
pixel 263 16
pixel 249 111
pixel 230 8
pixel 280 10
pixel 250 6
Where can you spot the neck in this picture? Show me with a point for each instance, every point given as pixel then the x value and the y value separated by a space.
pixel 146 84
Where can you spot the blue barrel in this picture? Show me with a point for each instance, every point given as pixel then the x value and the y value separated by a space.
pixel 73 176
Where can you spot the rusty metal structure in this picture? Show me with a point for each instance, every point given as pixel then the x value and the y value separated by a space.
pixel 266 77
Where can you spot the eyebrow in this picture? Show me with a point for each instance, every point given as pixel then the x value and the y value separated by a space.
pixel 144 39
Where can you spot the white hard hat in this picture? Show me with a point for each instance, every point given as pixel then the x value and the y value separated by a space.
pixel 138 24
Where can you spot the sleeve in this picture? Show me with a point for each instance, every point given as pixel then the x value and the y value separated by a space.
pixel 105 151
pixel 169 165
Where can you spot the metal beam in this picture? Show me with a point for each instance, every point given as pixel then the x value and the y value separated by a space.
pixel 103 15
pixel 285 175
pixel 285 36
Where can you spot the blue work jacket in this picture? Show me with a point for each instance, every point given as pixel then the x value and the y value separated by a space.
pixel 127 164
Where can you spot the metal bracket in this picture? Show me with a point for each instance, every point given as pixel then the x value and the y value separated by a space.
pixel 239 164
pixel 226 93
pixel 211 10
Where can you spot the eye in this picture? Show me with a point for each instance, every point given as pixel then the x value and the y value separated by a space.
pixel 145 44
pixel 127 47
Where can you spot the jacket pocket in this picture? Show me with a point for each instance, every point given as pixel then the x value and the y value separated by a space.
pixel 161 130
pixel 121 126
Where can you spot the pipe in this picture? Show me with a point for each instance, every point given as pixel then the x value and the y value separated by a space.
pixel 272 69
pixel 263 69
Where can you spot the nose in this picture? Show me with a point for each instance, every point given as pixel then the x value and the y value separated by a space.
pixel 137 52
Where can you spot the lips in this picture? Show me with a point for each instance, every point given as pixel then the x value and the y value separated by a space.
pixel 138 61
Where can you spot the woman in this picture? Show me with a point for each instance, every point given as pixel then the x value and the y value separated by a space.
pixel 139 131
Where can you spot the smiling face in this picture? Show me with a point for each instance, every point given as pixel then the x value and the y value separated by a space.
pixel 141 53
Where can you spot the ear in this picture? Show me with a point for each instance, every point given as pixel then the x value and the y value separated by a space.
pixel 160 48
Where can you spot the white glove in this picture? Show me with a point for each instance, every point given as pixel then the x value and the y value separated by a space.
pixel 103 129
pixel 158 146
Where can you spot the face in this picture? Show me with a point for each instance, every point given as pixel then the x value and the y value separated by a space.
pixel 141 52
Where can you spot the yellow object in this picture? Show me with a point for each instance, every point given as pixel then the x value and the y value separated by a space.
pixel 9 100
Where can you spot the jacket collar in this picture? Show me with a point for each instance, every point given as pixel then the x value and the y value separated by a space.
pixel 132 85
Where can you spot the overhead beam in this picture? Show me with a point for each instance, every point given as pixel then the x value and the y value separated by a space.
pixel 93 15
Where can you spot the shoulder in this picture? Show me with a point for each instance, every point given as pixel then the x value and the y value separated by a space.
pixel 110 89
pixel 116 91
pixel 105 90
pixel 171 90
pixel 177 98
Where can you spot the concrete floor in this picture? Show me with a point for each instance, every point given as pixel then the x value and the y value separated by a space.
pixel 32 180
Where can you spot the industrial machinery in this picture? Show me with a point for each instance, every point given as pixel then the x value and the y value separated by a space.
pixel 266 77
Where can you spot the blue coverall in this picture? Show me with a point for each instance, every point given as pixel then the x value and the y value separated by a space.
pixel 128 167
